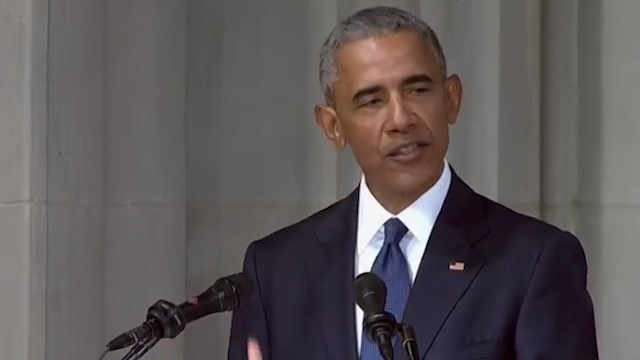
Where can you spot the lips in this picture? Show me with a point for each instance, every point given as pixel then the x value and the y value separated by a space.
pixel 406 148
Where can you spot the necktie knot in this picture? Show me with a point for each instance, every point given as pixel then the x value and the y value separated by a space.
pixel 394 231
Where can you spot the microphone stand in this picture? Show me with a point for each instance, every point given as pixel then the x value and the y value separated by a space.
pixel 409 341
pixel 166 314
pixel 141 348
pixel 384 322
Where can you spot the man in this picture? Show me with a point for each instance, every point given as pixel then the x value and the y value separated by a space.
pixel 475 279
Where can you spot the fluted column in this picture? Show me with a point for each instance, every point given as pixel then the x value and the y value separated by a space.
pixel 256 161
pixel 608 199
pixel 23 74
pixel 494 47
pixel 75 173
pixel 145 227
pixel 559 112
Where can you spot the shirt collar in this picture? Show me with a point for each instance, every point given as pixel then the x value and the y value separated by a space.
pixel 419 217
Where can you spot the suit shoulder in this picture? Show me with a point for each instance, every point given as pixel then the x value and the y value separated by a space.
pixel 291 235
pixel 517 226
pixel 521 241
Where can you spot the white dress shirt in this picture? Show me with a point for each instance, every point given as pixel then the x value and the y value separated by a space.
pixel 419 218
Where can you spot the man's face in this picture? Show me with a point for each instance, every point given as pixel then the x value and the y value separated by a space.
pixel 393 107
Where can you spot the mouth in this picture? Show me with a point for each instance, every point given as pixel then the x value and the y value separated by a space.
pixel 406 149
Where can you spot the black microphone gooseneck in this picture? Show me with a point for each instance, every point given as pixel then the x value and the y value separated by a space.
pixel 409 341
pixel 141 348
pixel 381 326
pixel 166 320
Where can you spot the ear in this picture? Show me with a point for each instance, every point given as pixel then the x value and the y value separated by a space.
pixel 328 121
pixel 453 92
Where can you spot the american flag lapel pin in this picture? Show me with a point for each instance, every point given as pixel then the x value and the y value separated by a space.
pixel 456 265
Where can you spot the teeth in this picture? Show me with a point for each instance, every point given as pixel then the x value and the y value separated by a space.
pixel 407 149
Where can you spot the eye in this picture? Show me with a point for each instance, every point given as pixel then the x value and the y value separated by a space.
pixel 372 102
pixel 419 90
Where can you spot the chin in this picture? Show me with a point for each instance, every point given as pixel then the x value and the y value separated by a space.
pixel 412 183
pixel 409 184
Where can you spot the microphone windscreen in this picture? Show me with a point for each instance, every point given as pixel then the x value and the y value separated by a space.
pixel 239 285
pixel 370 293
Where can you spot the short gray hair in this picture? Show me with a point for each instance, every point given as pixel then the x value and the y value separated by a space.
pixel 373 22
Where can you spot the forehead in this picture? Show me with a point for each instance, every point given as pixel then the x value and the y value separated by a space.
pixel 383 60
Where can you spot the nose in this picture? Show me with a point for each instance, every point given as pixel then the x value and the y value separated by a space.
pixel 401 117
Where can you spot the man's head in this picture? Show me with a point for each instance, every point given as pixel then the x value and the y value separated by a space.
pixel 389 98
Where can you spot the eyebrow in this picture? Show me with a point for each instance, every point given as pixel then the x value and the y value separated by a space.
pixel 419 78
pixel 366 92
pixel 411 80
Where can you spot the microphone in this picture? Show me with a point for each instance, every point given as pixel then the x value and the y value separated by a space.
pixel 166 320
pixel 380 326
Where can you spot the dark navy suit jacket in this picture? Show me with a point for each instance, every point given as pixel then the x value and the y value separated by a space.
pixel 522 294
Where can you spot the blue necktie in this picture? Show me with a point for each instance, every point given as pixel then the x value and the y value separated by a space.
pixel 391 266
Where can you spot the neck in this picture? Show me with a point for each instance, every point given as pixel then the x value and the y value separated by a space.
pixel 396 202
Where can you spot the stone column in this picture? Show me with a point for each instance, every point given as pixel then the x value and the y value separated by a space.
pixel 608 194
pixel 145 231
pixel 23 34
pixel 494 47
pixel 252 167
pixel 559 112
pixel 75 212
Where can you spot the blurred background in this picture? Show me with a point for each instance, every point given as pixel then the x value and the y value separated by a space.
pixel 144 144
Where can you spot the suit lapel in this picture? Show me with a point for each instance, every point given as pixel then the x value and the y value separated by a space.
pixel 330 274
pixel 437 288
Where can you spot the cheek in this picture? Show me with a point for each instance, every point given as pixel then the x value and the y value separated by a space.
pixel 440 138
pixel 434 119
pixel 365 143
